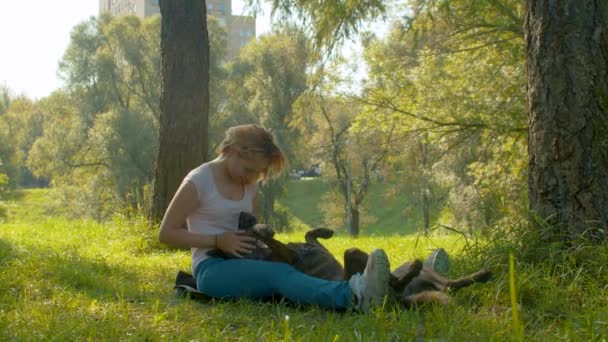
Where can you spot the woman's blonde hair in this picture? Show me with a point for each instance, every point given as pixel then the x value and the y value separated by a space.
pixel 255 140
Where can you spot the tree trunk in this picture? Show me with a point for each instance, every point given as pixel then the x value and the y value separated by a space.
pixel 426 216
pixel 184 101
pixel 567 52
pixel 355 222
pixel 266 201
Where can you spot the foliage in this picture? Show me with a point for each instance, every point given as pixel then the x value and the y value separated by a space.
pixel 99 134
pixel 21 123
pixel 3 192
pixel 329 22
pixel 265 82
pixel 350 158
pixel 452 83
pixel 267 78
pixel 5 98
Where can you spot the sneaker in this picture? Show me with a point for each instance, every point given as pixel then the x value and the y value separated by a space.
pixel 370 288
pixel 438 261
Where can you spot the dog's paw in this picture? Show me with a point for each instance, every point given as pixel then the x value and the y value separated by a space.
pixel 323 233
pixel 246 220
pixel 416 267
pixel 413 271
pixel 482 276
pixel 264 231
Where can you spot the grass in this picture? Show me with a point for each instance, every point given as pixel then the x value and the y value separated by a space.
pixel 304 199
pixel 78 280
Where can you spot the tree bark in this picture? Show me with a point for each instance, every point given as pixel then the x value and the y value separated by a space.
pixel 426 216
pixel 356 217
pixel 184 101
pixel 426 211
pixel 266 200
pixel 567 52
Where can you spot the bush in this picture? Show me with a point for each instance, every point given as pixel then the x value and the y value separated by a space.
pixel 284 221
pixel 3 192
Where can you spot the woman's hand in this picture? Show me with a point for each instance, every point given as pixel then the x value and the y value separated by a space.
pixel 236 243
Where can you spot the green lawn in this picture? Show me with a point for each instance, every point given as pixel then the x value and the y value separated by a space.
pixel 78 280
pixel 304 200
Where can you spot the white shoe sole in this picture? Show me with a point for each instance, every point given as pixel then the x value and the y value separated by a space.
pixel 377 277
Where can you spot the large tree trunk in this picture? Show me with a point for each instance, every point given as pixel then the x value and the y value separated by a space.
pixel 567 48
pixel 184 101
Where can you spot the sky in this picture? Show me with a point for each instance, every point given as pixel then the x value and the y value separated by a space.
pixel 35 33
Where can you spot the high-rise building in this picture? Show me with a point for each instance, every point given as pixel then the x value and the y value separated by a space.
pixel 240 29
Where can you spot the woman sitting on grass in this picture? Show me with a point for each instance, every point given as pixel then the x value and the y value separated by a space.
pixel 210 199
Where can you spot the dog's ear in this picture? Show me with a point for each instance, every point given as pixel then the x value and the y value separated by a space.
pixel 246 220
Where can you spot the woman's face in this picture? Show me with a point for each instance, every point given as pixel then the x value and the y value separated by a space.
pixel 245 166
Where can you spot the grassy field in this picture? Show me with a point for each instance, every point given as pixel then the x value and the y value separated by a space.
pixel 80 280
pixel 304 199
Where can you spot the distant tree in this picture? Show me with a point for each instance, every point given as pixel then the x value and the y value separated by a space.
pixel 352 153
pixel 567 51
pixel 5 98
pixel 100 131
pixel 331 21
pixel 7 148
pixel 268 77
pixel 184 102
pixel 20 125
pixel 452 133
pixel 4 181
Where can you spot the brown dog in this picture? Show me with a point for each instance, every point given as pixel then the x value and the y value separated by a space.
pixel 411 284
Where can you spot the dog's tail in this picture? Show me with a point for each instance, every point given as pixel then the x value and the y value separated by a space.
pixel 477 277
pixel 426 298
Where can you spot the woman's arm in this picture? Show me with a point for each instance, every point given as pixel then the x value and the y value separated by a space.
pixel 171 232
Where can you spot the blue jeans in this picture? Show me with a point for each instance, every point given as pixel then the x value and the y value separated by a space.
pixel 257 279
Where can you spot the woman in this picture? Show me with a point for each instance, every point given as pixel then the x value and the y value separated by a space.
pixel 210 199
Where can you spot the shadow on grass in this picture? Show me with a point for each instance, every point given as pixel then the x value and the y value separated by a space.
pixel 7 253
pixel 14 195
pixel 67 269
pixel 95 278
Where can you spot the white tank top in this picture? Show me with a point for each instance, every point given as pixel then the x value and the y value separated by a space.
pixel 216 214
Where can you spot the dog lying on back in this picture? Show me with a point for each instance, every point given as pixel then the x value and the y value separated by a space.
pixel 310 257
pixel 411 284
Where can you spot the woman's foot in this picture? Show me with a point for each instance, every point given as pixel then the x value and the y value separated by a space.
pixel 371 287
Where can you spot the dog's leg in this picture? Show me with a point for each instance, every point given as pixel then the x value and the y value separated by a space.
pixel 279 251
pixel 354 262
pixel 246 220
pixel 478 277
pixel 323 233
pixel 425 298
pixel 400 283
pixel 313 234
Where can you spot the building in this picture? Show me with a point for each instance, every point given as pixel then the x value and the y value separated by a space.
pixel 140 8
pixel 240 29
